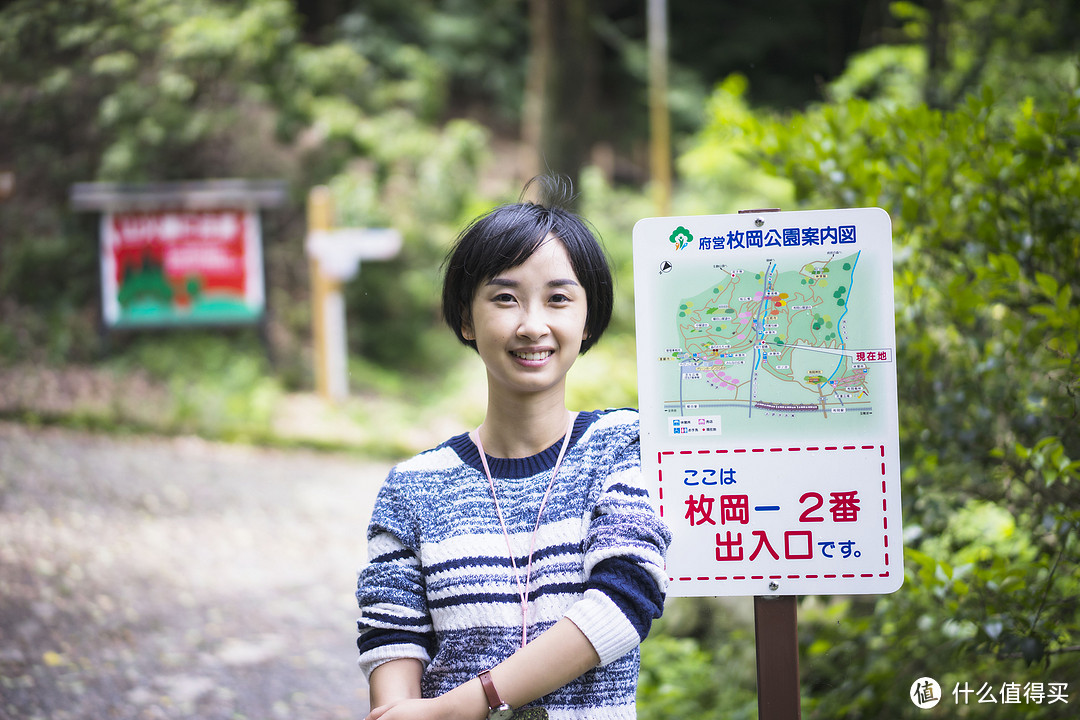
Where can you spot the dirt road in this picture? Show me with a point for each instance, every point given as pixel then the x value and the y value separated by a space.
pixel 176 578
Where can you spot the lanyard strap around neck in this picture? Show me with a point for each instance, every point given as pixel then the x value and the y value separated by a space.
pixel 523 592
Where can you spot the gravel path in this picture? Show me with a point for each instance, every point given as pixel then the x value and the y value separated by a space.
pixel 177 578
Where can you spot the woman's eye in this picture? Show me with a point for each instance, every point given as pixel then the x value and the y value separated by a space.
pixel 559 298
pixel 503 298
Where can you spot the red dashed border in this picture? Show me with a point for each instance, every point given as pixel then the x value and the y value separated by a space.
pixel 814 448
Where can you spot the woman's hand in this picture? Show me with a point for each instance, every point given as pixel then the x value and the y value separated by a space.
pixel 444 707
pixel 403 709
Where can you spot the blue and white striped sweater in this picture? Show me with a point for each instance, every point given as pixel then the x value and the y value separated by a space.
pixel 439 585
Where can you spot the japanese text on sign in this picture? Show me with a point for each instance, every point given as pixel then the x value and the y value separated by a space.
pixel 779 238
pixel 749 524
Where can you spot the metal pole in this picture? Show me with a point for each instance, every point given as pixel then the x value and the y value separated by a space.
pixel 776 637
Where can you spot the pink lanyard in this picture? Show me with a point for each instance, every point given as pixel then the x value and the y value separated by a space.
pixel 523 592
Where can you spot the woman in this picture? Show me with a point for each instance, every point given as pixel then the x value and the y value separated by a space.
pixel 520 564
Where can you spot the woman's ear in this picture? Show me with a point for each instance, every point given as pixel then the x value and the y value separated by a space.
pixel 467 331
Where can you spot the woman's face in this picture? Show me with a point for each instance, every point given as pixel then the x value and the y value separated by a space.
pixel 528 322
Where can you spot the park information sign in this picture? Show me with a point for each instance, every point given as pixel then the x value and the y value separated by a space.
pixel 169 267
pixel 181 253
pixel 767 391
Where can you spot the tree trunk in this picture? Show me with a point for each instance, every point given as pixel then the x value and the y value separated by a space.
pixel 560 89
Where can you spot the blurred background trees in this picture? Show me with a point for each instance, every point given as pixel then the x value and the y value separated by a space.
pixel 960 117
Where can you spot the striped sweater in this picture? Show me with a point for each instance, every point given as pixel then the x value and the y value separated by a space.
pixel 439 585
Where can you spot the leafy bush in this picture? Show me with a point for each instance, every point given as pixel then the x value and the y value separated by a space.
pixel 698 662
pixel 217 386
pixel 985 203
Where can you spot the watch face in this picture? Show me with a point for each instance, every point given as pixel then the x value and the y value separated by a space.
pixel 503 712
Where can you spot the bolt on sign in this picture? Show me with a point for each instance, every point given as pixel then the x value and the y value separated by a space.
pixel 180 253
pixel 767 392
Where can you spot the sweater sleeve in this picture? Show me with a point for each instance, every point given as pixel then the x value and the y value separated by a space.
pixel 625 550
pixel 394 621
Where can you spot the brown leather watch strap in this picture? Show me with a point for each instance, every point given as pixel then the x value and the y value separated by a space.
pixel 494 701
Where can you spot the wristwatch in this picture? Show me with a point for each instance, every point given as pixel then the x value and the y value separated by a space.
pixel 497 709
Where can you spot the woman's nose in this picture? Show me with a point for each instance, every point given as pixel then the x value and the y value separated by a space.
pixel 533 323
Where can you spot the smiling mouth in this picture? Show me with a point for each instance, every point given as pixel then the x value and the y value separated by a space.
pixel 533 356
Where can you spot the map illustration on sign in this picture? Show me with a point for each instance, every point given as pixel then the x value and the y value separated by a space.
pixel 773 338
pixel 767 397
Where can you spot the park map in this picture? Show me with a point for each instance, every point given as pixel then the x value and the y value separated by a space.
pixel 787 341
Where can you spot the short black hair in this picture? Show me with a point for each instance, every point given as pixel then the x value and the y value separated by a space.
pixel 505 238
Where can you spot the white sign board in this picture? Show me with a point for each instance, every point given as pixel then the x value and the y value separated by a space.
pixel 767 392
pixel 340 251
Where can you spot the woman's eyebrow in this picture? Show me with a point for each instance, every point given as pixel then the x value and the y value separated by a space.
pixel 506 282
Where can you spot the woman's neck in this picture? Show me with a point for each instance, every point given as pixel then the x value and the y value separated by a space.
pixel 517 430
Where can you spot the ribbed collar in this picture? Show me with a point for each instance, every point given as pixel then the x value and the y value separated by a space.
pixel 520 467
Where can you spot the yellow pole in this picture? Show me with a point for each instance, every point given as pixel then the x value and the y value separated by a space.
pixel 659 118
pixel 320 212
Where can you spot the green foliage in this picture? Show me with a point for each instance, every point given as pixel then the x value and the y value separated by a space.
pixel 985 204
pixel 476 62
pixel 718 175
pixel 394 306
pixel 218 387
pixel 1022 47
pixel 613 211
pixel 889 73
pixel 144 90
pixel 698 662
pixel 670 666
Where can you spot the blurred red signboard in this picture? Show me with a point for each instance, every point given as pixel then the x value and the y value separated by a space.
pixel 181 267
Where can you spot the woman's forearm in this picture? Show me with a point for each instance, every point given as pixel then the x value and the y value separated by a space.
pixel 554 658
pixel 394 681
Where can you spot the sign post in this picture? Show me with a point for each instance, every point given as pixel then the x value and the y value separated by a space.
pixel 178 254
pixel 7 184
pixel 334 257
pixel 769 431
pixel 776 639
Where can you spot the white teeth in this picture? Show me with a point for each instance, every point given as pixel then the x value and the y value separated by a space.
pixel 532 355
